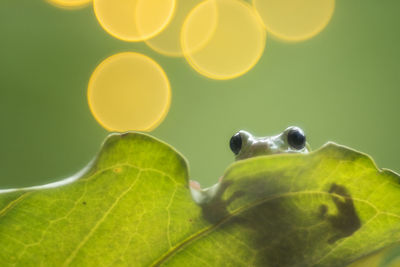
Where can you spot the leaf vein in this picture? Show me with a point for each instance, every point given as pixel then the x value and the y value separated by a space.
pixel 12 204
pixel 99 222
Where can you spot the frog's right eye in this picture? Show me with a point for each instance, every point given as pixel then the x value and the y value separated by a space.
pixel 236 143
pixel 296 138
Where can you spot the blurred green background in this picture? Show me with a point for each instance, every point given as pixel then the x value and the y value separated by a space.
pixel 342 85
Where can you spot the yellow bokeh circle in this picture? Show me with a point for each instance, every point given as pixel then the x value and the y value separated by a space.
pixel 231 35
pixel 69 4
pixel 134 20
pixel 168 41
pixel 295 20
pixel 129 91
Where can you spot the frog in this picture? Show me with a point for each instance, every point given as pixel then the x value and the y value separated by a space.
pixel 244 145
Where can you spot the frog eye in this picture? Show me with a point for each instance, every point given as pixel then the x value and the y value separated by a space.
pixel 296 138
pixel 236 143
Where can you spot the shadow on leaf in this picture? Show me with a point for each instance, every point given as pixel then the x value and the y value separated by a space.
pixel 346 221
pixel 281 233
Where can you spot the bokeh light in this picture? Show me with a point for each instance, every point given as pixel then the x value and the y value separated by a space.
pixel 69 4
pixel 231 34
pixel 129 91
pixel 168 41
pixel 295 20
pixel 134 20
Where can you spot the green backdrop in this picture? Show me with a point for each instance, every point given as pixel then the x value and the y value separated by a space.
pixel 342 85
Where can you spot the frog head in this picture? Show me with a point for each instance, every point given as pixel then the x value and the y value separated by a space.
pixel 244 145
pixel 292 140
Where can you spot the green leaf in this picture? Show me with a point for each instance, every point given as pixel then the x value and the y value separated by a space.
pixel 132 206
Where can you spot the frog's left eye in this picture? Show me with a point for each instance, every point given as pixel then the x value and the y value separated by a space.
pixel 296 138
pixel 236 143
